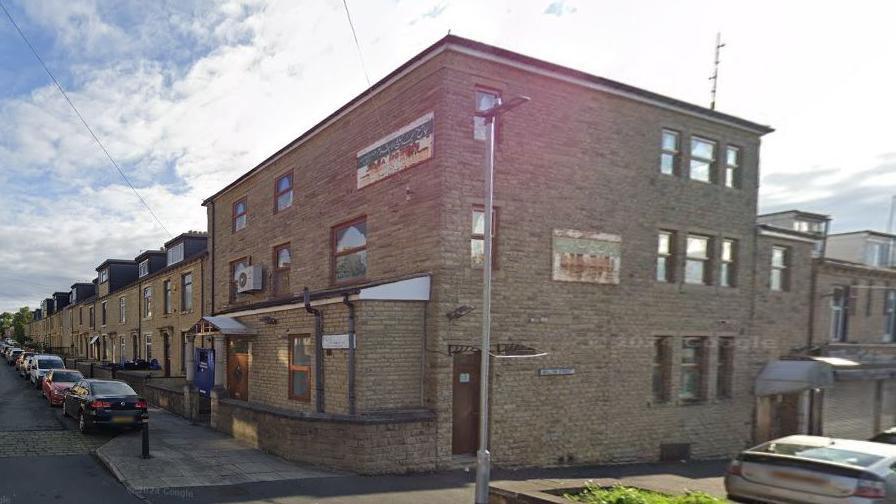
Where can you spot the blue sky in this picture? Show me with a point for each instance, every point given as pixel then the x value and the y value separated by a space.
pixel 187 95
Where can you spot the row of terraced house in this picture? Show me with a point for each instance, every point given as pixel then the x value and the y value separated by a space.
pixel 641 310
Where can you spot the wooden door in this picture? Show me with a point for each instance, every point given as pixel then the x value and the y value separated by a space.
pixel 465 403
pixel 238 375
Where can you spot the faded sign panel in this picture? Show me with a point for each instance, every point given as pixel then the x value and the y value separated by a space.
pixel 400 150
pixel 586 257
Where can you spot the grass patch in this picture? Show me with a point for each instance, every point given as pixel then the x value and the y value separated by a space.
pixel 593 494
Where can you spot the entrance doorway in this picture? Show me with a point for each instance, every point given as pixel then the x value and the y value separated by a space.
pixel 465 404
pixel 238 369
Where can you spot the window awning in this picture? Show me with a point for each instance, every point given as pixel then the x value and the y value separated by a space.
pixel 789 376
pixel 227 326
pixel 93 340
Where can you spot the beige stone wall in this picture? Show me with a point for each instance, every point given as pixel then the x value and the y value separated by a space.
pixel 868 286
pixel 573 158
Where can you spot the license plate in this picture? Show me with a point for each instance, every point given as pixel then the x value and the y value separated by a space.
pixel 802 478
pixel 123 419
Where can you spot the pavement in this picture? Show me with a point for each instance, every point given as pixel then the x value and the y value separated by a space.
pixel 196 463
pixel 187 455
pixel 44 459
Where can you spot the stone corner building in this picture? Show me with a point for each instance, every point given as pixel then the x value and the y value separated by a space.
pixel 624 278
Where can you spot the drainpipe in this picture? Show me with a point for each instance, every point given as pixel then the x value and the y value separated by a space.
pixel 318 350
pixel 211 255
pixel 351 354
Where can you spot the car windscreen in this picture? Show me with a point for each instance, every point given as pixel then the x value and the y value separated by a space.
pixel 111 388
pixel 66 376
pixel 50 364
pixel 820 453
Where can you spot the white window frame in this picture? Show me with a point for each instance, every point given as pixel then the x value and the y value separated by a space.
pixel 147 346
pixel 122 310
pixel 674 153
pixel 732 170
pixel 782 270
pixel 728 263
pixel 710 161
pixel 143 268
pixel 104 275
pixel 839 313
pixel 147 302
pixel 175 254
pixel 705 261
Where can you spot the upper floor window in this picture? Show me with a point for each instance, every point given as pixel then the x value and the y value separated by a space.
pixel 728 264
pixel 477 237
pixel 143 268
pixel 877 254
pixel 696 269
pixel 780 272
pixel 122 310
pixel 283 189
pixel 839 313
pixel 703 159
pixel 102 313
pixel 732 166
pixel 186 292
pixel 485 100
pixel 92 318
pixel 350 251
pixel 176 254
pixel 280 275
pixel 73 296
pixel 665 256
pixel 670 159
pixel 104 275
pixel 167 298
pixel 890 316
pixel 239 215
pixel 147 302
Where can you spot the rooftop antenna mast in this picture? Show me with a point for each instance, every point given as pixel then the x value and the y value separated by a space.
pixel 715 71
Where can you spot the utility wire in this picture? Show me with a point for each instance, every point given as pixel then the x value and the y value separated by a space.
pixel 357 44
pixel 83 121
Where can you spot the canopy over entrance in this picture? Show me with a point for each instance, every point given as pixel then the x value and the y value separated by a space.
pixel 790 376
pixel 227 326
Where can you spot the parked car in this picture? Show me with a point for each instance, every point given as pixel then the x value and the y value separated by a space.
pixel 103 403
pixel 887 437
pixel 23 363
pixel 814 469
pixel 57 382
pixel 41 364
pixel 12 355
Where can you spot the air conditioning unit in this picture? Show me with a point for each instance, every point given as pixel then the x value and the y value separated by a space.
pixel 248 278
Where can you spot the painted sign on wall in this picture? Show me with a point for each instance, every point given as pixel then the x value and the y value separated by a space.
pixel 400 150
pixel 581 256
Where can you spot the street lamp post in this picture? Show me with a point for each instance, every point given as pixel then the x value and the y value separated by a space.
pixel 483 457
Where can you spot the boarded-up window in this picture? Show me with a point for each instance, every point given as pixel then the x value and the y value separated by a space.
pixel 586 257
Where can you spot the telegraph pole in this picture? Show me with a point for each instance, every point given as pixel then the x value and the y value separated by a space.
pixel 715 71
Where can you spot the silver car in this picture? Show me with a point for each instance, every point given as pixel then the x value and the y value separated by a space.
pixel 814 469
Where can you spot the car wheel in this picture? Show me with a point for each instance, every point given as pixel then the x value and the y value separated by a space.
pixel 83 427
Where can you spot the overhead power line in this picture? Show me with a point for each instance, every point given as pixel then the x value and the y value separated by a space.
pixel 357 44
pixel 81 117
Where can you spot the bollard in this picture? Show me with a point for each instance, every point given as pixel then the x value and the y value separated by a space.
pixel 145 453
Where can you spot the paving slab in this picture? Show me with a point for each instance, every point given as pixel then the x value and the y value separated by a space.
pixel 187 455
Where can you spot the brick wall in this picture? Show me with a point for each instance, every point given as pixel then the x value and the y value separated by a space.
pixel 868 287
pixel 386 445
pixel 573 158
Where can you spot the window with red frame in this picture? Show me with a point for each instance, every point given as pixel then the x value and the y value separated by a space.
pixel 282 261
pixel 283 188
pixel 300 353
pixel 350 251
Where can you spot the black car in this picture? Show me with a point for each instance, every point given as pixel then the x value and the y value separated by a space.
pixel 104 403
pixel 887 437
